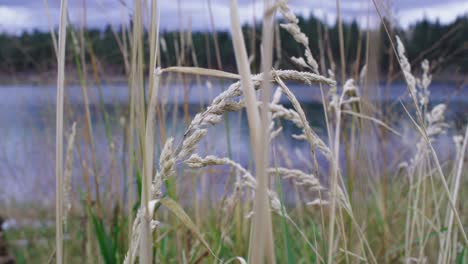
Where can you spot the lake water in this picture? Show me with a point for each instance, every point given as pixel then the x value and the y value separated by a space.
pixel 27 131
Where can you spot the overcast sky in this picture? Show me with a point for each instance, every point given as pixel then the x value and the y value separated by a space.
pixel 19 15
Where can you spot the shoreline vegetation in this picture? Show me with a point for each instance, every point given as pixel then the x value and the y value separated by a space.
pixel 450 75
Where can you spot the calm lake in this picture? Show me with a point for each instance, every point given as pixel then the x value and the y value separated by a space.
pixel 27 130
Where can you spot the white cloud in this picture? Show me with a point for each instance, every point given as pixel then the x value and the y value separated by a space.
pixel 19 15
pixel 444 12
pixel 12 19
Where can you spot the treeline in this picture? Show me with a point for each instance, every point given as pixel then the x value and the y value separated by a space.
pixel 445 45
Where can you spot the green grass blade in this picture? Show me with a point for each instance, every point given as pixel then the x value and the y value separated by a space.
pixel 106 244
pixel 461 256
pixel 284 225
pixel 179 212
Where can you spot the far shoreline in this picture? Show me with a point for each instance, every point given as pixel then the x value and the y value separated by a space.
pixel 49 78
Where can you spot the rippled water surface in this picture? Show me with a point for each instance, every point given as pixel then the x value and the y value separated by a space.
pixel 27 131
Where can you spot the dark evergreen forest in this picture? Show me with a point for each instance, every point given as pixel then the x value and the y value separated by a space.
pixel 446 45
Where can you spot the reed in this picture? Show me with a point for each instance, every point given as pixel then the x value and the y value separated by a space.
pixel 261 237
pixel 62 37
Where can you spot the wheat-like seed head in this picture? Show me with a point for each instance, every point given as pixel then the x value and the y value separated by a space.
pixel 318 201
pixel 166 169
pixel 406 67
pixel 300 62
pixel 190 143
pixel 423 84
pixel 309 181
pixel 223 103
pixel 435 126
pixel 293 28
pixel 295 31
pixel 435 120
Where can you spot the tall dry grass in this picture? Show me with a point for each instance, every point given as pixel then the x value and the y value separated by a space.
pixel 62 37
pixel 414 217
pixel 261 237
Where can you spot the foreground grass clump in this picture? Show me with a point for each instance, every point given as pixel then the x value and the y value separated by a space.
pixel 290 241
pixel 346 207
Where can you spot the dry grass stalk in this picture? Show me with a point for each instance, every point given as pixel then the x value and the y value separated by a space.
pixel 59 130
pixel 338 196
pixel 201 71
pixel 425 131
pixel 138 108
pixel 151 114
pixel 51 28
pixel 262 217
pixel 447 241
pixel 215 37
pixel 149 153
pixel 260 245
pixel 341 42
